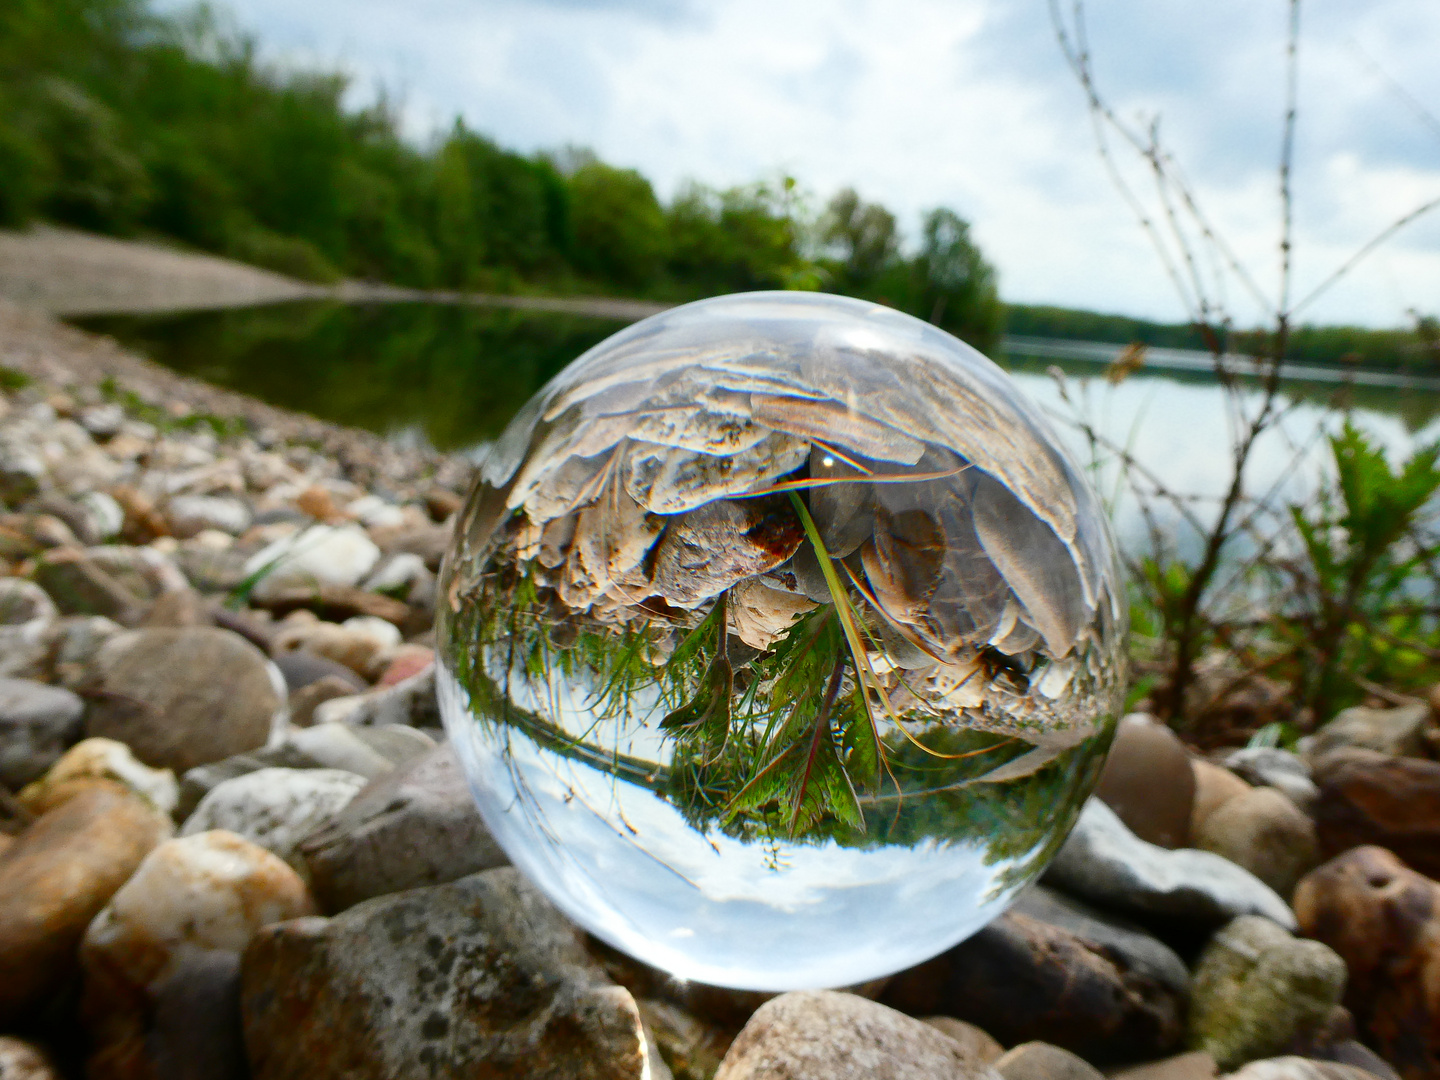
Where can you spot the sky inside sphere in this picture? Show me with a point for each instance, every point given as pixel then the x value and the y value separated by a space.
pixel 962 103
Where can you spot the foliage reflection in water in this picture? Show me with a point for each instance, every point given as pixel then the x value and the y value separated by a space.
pixel 781 640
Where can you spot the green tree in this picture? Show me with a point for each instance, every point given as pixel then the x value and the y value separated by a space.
pixel 619 228
pixel 863 236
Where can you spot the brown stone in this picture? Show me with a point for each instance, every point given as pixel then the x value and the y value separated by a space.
pixel 1041 1061
pixel 179 607
pixel 304 701
pixel 319 504
pixel 336 603
pixel 1148 782
pixel 1021 979
pixel 442 503
pixel 1393 802
pixel 183 697
pixel 1267 834
pixel 143 519
pixel 1383 918
pixel 55 877
pixel 1214 787
pixel 1196 1065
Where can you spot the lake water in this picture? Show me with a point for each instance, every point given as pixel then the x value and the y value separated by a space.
pixel 454 375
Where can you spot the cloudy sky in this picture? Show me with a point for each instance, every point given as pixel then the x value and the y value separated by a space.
pixel 964 103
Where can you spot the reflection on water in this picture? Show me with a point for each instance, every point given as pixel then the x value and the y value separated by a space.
pixel 455 373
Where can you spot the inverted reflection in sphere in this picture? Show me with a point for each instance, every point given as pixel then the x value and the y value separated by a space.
pixel 780 640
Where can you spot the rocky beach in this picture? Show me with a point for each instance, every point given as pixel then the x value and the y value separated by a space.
pixel 235 843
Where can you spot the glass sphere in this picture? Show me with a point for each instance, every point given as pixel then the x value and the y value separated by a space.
pixel 781 641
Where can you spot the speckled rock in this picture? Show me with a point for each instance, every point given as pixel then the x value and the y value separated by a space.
pixel 1106 863
pixel 978 1043
pixel 55 877
pixel 415 826
pixel 191 896
pixel 104 760
pixel 1148 781
pixel 480 977
pixel 821 1033
pixel 37 723
pixel 1266 833
pixel 1042 1061
pixel 275 808
pixel 1257 988
pixel 1383 918
pixel 183 697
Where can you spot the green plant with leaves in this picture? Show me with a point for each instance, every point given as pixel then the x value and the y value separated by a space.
pixel 1364 577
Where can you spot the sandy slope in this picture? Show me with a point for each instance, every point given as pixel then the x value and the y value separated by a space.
pixel 64 272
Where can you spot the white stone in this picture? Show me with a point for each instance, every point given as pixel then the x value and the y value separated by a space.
pixel 275 808
pixel 205 892
pixel 320 555
pixel 386 635
pixel 104 513
pixel 400 571
pixel 193 514
pixel 375 513
pixel 106 759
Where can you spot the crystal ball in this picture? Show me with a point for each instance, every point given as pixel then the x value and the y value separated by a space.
pixel 781 640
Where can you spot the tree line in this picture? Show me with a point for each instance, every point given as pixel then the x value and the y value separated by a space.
pixel 117 119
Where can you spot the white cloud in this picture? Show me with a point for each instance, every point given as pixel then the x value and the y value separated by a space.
pixel 959 102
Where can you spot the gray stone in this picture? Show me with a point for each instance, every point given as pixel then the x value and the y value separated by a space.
pixel 1138 951
pixel 1397 732
pixel 184 697
pixel 1104 862
pixel 301 667
pixel 80 586
pixel 77 641
pixel 37 723
pixel 411 701
pixel 196 1032
pixel 333 746
pixel 1269 766
pixel 816 1034
pixel 415 826
pixel 1041 1061
pixel 319 555
pixel 480 977
pixel 275 808
pixel 1257 989
pixel 1020 979
pixel 397 743
pixel 143 571
pixel 27 616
